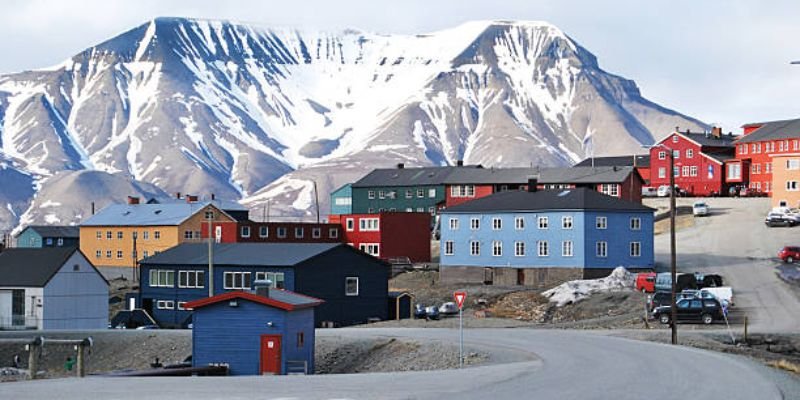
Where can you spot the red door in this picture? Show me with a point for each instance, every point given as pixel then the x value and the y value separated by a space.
pixel 271 354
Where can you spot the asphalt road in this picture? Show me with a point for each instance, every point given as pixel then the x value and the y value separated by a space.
pixel 734 242
pixel 524 363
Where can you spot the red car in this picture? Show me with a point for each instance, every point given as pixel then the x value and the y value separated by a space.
pixel 789 254
pixel 646 282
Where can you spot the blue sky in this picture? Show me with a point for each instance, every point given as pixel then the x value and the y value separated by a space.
pixel 724 62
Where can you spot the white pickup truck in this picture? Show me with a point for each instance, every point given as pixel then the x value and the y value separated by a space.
pixel 722 293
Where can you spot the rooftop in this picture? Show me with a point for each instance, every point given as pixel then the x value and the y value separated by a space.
pixel 409 176
pixel 31 267
pixel 774 130
pixel 578 175
pixel 567 199
pixel 54 231
pixel 248 254
pixel 642 160
pixel 279 298
pixel 152 214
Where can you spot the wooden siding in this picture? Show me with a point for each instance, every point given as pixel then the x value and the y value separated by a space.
pixel 76 298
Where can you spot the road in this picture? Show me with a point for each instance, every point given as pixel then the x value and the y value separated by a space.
pixel 735 243
pixel 524 363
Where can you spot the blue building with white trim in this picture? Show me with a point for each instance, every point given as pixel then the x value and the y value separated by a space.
pixel 342 200
pixel 544 237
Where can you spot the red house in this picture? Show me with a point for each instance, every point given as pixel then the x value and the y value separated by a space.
pixel 388 235
pixel 699 161
pixel 463 185
pixel 274 232
pixel 621 182
pixel 761 141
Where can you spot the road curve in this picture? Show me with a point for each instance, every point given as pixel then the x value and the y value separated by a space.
pixel 525 363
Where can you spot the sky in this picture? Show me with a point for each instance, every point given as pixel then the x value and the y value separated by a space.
pixel 723 62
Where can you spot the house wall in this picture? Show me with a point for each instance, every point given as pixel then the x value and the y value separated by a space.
pixel 33 307
pixel 76 297
pixel 760 157
pixel 710 176
pixel 618 236
pixel 362 204
pixel 480 191
pixel 29 238
pixel 399 234
pixel 783 194
pixel 345 196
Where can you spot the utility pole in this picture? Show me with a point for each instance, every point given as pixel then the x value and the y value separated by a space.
pixel 673 265
pixel 316 199
pixel 210 217
pixel 135 260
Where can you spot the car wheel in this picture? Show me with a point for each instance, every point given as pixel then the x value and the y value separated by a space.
pixel 663 318
pixel 707 319
pixel 789 259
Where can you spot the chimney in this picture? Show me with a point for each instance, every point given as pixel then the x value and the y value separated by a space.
pixel 716 132
pixel 262 287
pixel 213 196
pixel 400 165
pixel 190 198
pixel 133 200
pixel 532 182
pixel 178 195
pixel 460 163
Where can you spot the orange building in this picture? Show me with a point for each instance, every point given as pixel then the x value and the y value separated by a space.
pixel 120 235
pixel 786 180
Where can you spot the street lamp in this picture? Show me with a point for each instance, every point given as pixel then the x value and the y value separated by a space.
pixel 673 265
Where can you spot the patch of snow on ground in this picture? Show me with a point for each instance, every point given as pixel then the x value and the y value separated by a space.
pixel 50 203
pixel 574 291
pixel 52 219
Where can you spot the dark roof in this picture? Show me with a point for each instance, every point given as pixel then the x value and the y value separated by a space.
pixel 491 176
pixel 54 231
pixel 32 267
pixel 774 130
pixel 721 157
pixel 409 176
pixel 250 254
pixel 708 140
pixel 566 199
pixel 642 160
pixel 279 298
pixel 580 175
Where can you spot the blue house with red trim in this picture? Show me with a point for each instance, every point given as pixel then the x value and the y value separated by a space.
pixel 270 331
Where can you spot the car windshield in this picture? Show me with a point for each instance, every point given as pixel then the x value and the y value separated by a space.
pixel 699 204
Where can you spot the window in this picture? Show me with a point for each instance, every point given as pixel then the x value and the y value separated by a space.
pixel 191 279
pixel 108 253
pixel 735 171
pixel 611 189
pixel 371 194
pixel 674 138
pixel 277 279
pixel 409 193
pixel 145 235
pixel 333 233
pixel 497 248
pixel 188 235
pixel 497 224
pixel 636 223
pixel 209 214
pixel 676 154
pixel 519 223
pixel 474 224
pixel 368 224
pixel 263 231
pixel 743 149
pixel 162 278
pixel 99 234
pixel 601 222
pixel 689 153
pixel 431 193
pixel 566 248
pixel 119 235
pixel 372 249
pixel 98 254
pixel 351 286
pixel 237 280
pixel 119 254
pixel 182 305
pixel 420 193
pixel 453 224
pixel 636 249
pixel 462 191
pixel 109 235
pixel 245 231
pixel 601 249
pixel 677 171
pixel 343 201
pixel 316 233
pixel 157 235
pixel 432 210
pixel 685 170
pixel 543 222
pixel 693 170
pixel 281 232
pixel 544 248
pixel 662 172
pixel 662 155
pixel 300 340
pixel 449 248
pixel 767 167
pixel 519 249
pixel 349 224
pixel 165 304
pixel 381 194
pixel 793 163
pixel 791 186
pixel 474 248
pixel 145 254
pixel 566 222
pixel 420 209
pixel 299 232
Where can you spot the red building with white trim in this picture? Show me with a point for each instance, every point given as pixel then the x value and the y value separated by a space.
pixel 274 232
pixel 699 161
pixel 621 182
pixel 388 235
pixel 753 165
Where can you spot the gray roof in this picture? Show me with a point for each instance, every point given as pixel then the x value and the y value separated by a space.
pixel 491 176
pixel 578 175
pixel 567 199
pixel 293 298
pixel 720 156
pixel 31 267
pixel 708 140
pixel 156 214
pixel 409 176
pixel 642 160
pixel 774 130
pixel 54 231
pixel 247 254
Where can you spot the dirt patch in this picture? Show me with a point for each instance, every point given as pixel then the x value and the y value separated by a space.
pixel 524 306
pixel 681 222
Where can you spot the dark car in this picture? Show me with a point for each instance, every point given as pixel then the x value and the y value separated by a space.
pixel 659 299
pixel 779 219
pixel 419 312
pixel 691 310
pixel 789 254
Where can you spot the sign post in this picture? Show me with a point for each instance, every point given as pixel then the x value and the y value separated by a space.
pixel 459 297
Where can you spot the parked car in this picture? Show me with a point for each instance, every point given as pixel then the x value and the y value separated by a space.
pixel 448 308
pixel 789 254
pixel 419 311
pixel 691 310
pixel 722 293
pixel 659 299
pixel 649 191
pixel 663 191
pixel 684 281
pixel 646 282
pixel 432 312
pixel 779 219
pixel 700 209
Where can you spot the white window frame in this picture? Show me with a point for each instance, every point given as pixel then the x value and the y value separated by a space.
pixel 453 224
pixel 543 222
pixel 610 189
pixel 474 248
pixel 245 231
pixel 567 222
pixel 432 193
pixel 420 193
pixel 601 249
pixel 369 224
pixel 316 232
pixel 347 286
pixel 497 248
pixel 474 224
pixel 349 224
pixel 371 194
pixel 567 248
pixel 497 224
pixel 685 170
pixel 373 249
pixel 519 223
pixel 299 232
pixel 449 248
pixel 636 249
pixel 543 248
pixel 636 224
pixel 519 249
pixel 277 279
pixel 238 280
pixel 689 153
pixel 281 232
pixel 409 194
pixel 662 172
pixel 601 222
pixel 189 276
pixel 163 278
pixel 662 155
pixel 333 233
pixel 263 231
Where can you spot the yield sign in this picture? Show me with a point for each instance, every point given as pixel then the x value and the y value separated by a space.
pixel 460 296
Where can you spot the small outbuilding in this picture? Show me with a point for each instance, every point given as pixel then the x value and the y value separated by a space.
pixel 270 331
pixel 401 305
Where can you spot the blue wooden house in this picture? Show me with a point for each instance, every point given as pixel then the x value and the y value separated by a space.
pixel 48 236
pixel 270 331
pixel 353 284
pixel 544 237
pixel 342 200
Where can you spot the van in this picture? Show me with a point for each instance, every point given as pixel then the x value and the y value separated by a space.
pixel 685 281
pixel 645 282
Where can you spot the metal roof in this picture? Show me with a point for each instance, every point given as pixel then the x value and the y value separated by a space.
pixel 409 176
pixel 54 231
pixel 579 175
pixel 774 130
pixel 709 140
pixel 32 267
pixel 155 214
pixel 642 160
pixel 566 199
pixel 491 176
pixel 246 254
pixel 279 298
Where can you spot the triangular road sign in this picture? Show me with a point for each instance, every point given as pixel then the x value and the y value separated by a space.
pixel 460 297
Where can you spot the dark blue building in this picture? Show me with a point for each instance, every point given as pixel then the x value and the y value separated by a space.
pixel 353 284
pixel 267 332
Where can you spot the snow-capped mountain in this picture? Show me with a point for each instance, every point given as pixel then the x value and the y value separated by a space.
pixel 260 114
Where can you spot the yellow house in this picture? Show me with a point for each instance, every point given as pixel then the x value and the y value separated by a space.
pixel 120 235
pixel 786 180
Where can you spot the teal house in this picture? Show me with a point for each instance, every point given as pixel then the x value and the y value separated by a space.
pixel 342 200
pixel 38 236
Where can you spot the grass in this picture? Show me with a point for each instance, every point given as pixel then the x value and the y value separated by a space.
pixel 681 222
pixel 786 365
